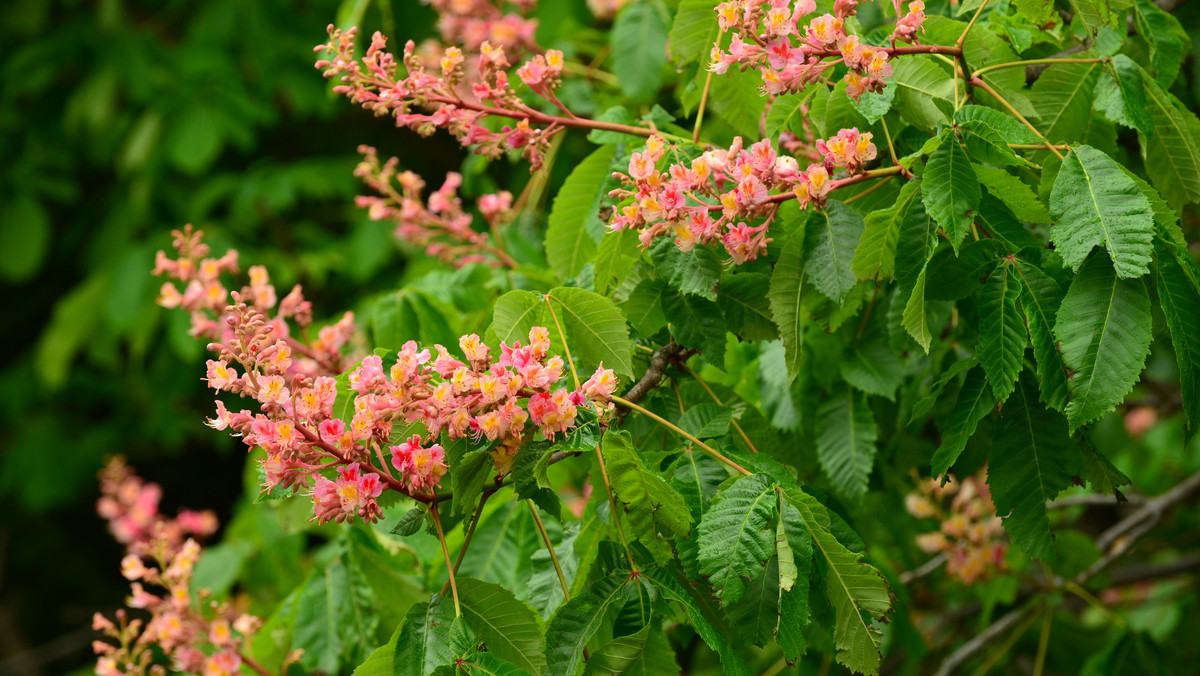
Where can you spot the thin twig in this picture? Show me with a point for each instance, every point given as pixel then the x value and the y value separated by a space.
pixel 537 520
pixel 612 507
pixel 681 432
pixel 717 399
pixel 437 522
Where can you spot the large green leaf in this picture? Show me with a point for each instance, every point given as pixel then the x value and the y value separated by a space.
pixel 743 300
pixel 787 285
pixel 846 434
pixel 1032 460
pixel 1180 301
pixel 1002 332
pixel 639 49
pixel 616 256
pixel 830 239
pixel 858 593
pixel 1041 297
pixel 569 240
pixel 644 653
pixel 870 366
pixel 975 401
pixel 735 536
pixel 644 307
pixel 694 272
pixel 694 31
pixel 950 190
pixel 1172 150
pixel 923 92
pixel 1008 127
pixel 574 624
pixel 794 547
pixel 334 622
pixel 596 329
pixel 650 502
pixel 673 591
pixel 510 628
pixel 1120 95
pixel 1013 192
pixel 1062 97
pixel 1104 328
pixel 696 322
pixel 506 539
pixel 1095 203
pixel 518 311
pixel 875 257
pixel 424 641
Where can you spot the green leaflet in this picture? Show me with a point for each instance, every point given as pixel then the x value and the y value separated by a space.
pixel 644 653
pixel 1032 460
pixel 650 502
pixel 706 421
pixel 334 622
pixel 424 640
pixel 793 538
pixel 577 620
pixel 857 591
pixel 871 366
pixel 694 272
pixel 923 92
pixel 673 591
pixel 975 401
pixel 787 112
pixel 1166 37
pixel 743 301
pixel 1041 297
pixel 1178 296
pixel 875 257
pixel 487 664
pixel 1002 333
pixel 1103 326
pixel 950 190
pixel 510 628
pixel 575 214
pixel 1173 149
pixel 597 331
pixel 735 536
pixel 696 322
pixel 846 434
pixel 639 47
pixel 915 321
pixel 1120 95
pixel 1095 203
pixel 1062 96
pixel 507 538
pixel 829 242
pixel 784 295
pixel 644 307
pixel 1007 126
pixel 616 256
pixel 693 32
pixel 986 144
pixel 1013 192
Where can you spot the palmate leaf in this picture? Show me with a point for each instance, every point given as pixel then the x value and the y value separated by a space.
pixel 846 434
pixel 694 31
pixel 644 653
pixel 1002 333
pixel 1173 149
pixel 1032 460
pixel 639 49
pixel 577 620
pixel 510 628
pixel 1104 328
pixel 787 285
pixel 596 329
pixel 950 190
pixel 1180 302
pixel 735 536
pixel 569 240
pixel 649 501
pixel 858 593
pixel 829 242
pixel 424 640
pixel 875 257
pixel 1095 203
pixel 975 401
pixel 1041 297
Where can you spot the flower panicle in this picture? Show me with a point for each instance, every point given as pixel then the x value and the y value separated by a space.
pixel 969 531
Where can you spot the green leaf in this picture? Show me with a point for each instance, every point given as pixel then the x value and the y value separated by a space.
pixel 735 536
pixel 787 285
pixel 1062 96
pixel 616 256
pixel 1002 332
pixel 846 434
pixel 487 664
pixel 706 421
pixel 1104 328
pixel 696 322
pixel 950 190
pixel 644 307
pixel 986 145
pixel 874 105
pixel 918 240
pixel 875 257
pixel 694 31
pixel 792 537
pixel 975 401
pixel 569 242
pixel 1166 38
pixel 1180 302
pixel 743 300
pixel 858 592
pixel 720 644
pixel 574 624
pixel 1013 192
pixel 829 242
pixel 1120 95
pixel 510 628
pixel 871 366
pixel 518 311
pixel 735 96
pixel 787 113
pixel 411 522
pixel 644 653
pixel 924 92
pixel 1007 126
pixel 915 321
pixel 1041 297
pixel 694 272
pixel 1173 148
pixel 639 49
pixel 1032 460
pixel 333 619
pixel 1095 203
pixel 424 641
pixel 25 232
pixel 649 501
pixel 506 539
pixel 466 478
pixel 597 330
pixel 379 663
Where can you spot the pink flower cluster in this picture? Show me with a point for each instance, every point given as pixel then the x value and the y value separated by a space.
pixel 970 534
pixel 425 100
pixel 197 642
pixel 471 23
pixel 741 184
pixel 440 225
pixel 211 308
pixel 768 36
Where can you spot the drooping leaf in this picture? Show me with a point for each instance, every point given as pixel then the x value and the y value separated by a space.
pixel 510 628
pixel 1002 332
pixel 1041 297
pixel 615 257
pixel 923 92
pixel 875 257
pixel 673 591
pixel 791 536
pixel 1062 96
pixel 646 652
pixel 577 620
pixel 1120 95
pixel 871 367
pixel 1095 203
pixel 846 434
pixel 569 240
pixel 596 329
pixel 1032 460
pixel 975 401
pixel 950 190
pixel 735 536
pixel 1173 148
pixel 743 300
pixel 649 502
pixel 915 321
pixel 1013 192
pixel 787 284
pixel 1180 301
pixel 639 42
pixel 1163 31
pixel 830 239
pixel 1103 326
pixel 694 31
pixel 424 641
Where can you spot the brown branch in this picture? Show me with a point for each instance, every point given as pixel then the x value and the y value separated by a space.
pixel 654 374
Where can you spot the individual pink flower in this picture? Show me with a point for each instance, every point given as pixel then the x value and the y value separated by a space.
pixel 601 385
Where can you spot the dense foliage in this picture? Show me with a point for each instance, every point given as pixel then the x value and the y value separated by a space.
pixel 811 262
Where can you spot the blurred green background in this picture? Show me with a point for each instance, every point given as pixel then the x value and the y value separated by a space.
pixel 121 120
